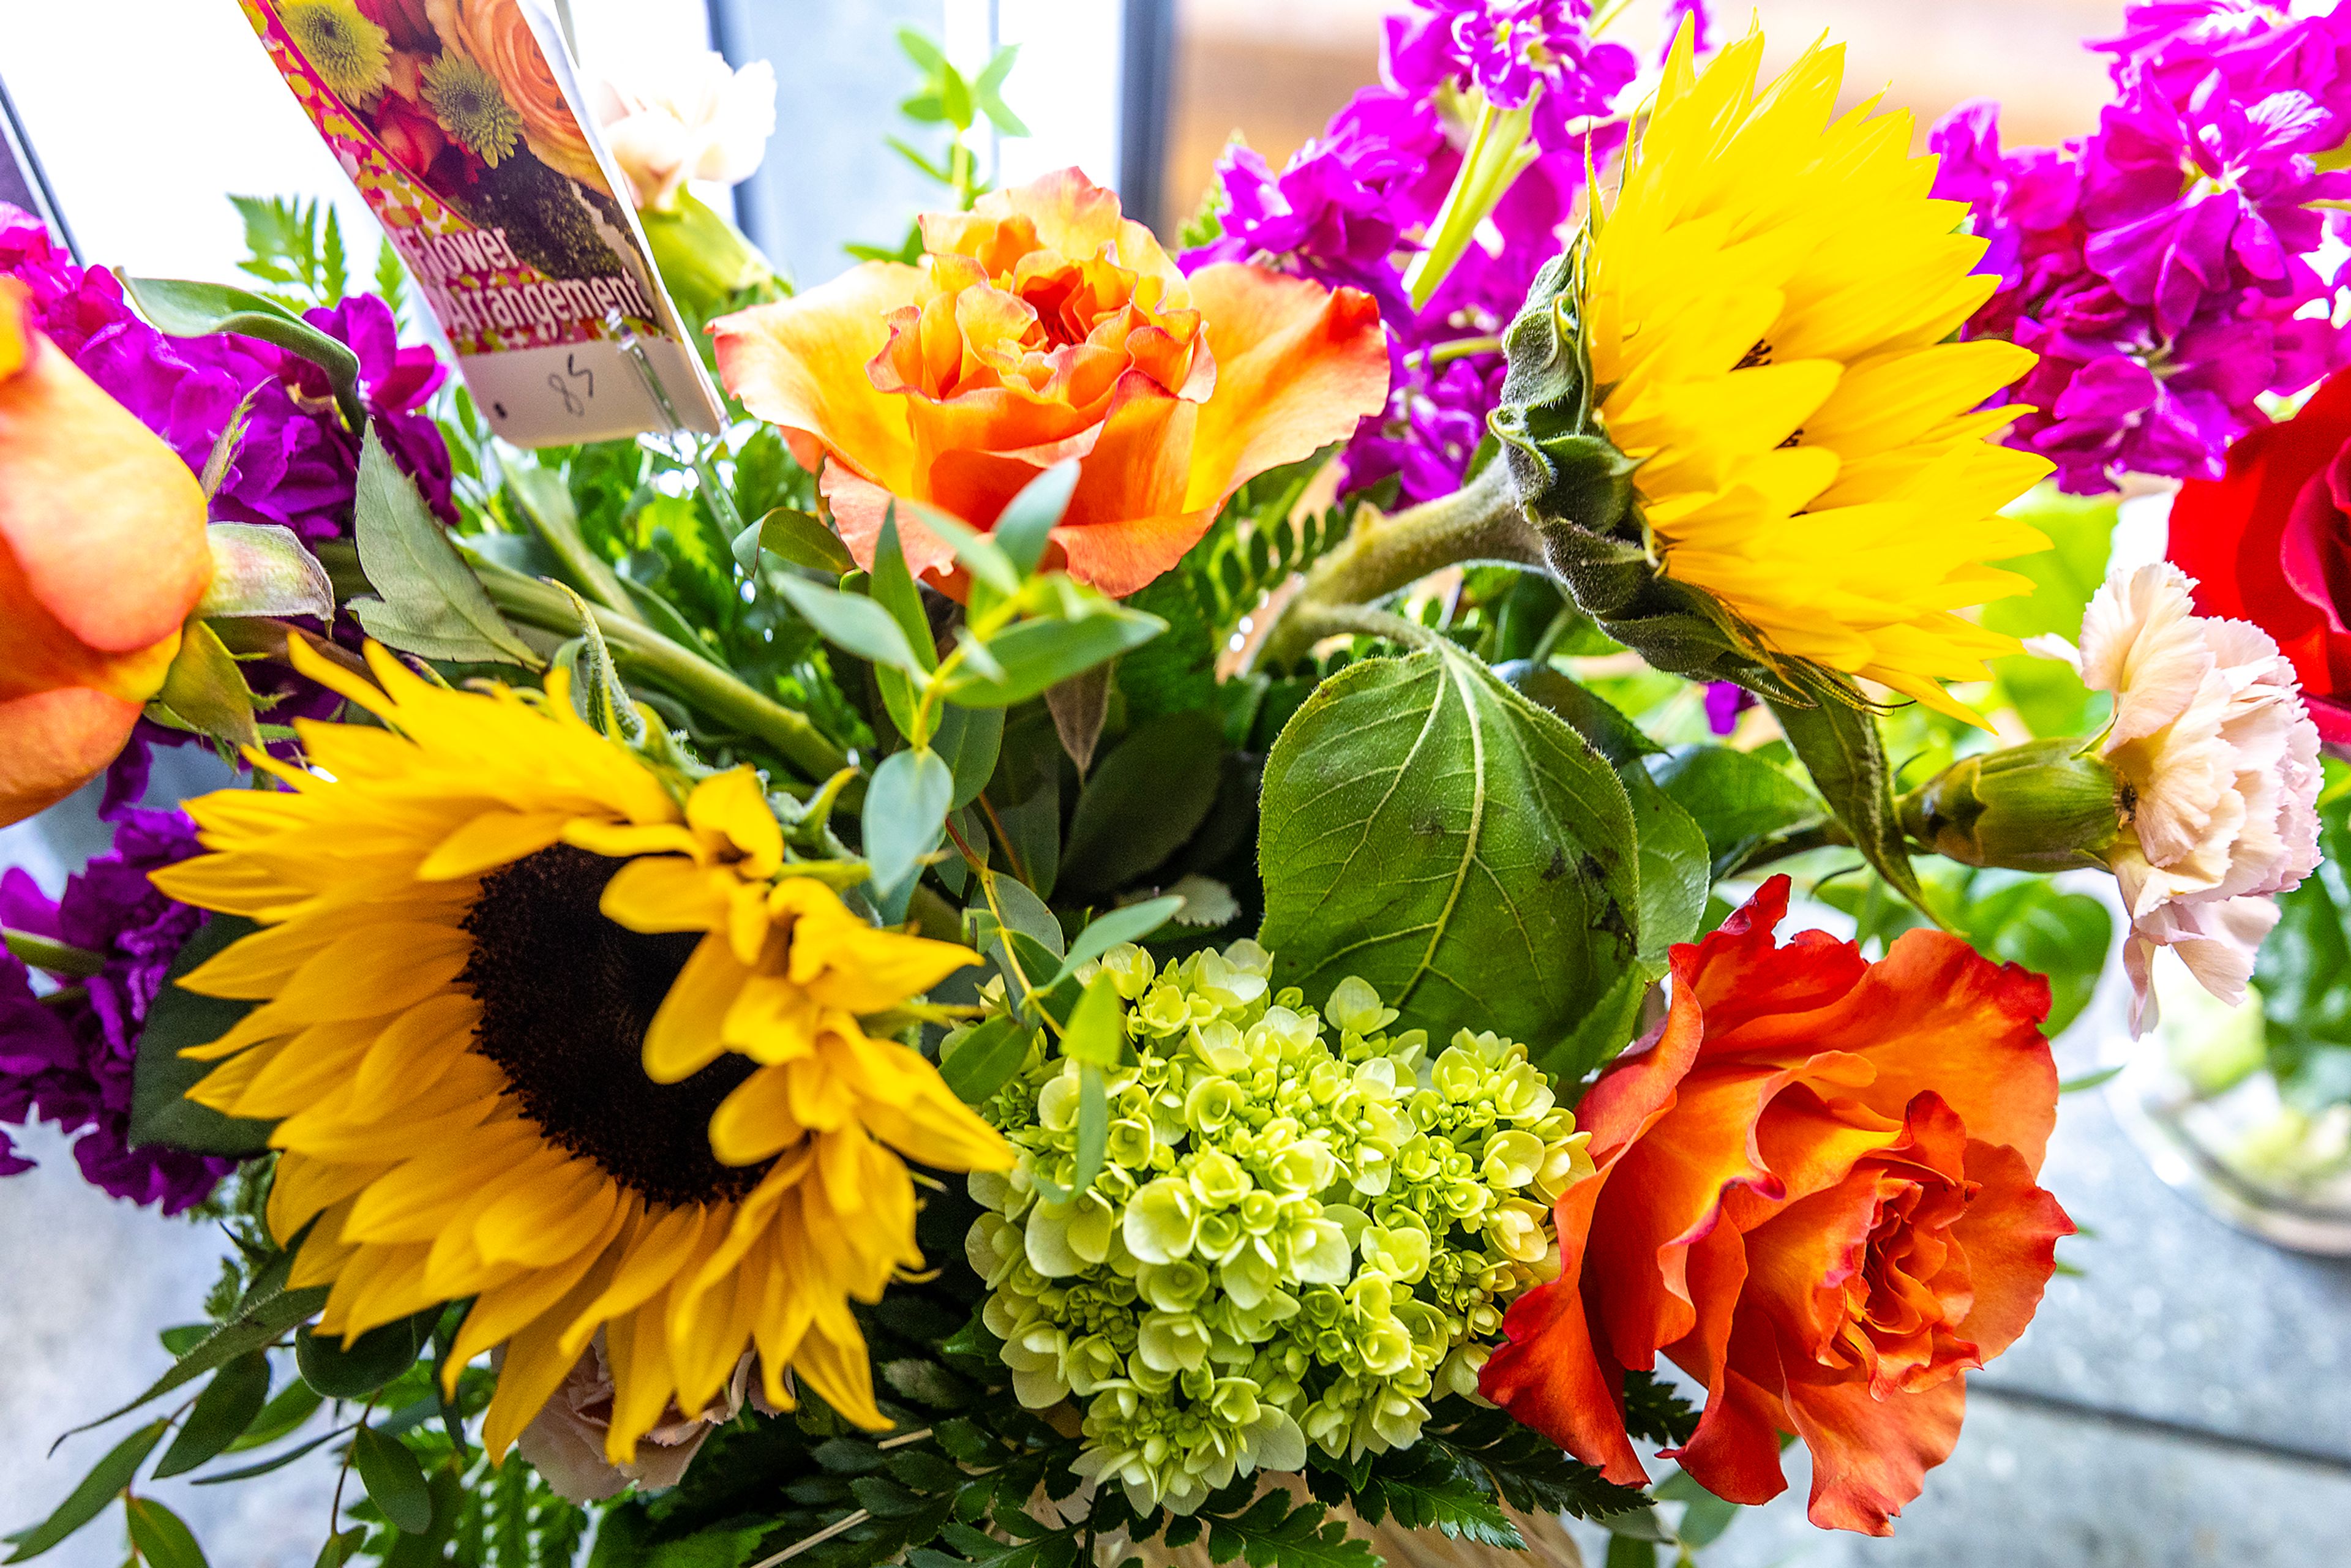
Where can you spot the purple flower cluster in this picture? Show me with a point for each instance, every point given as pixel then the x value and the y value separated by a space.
pixel 1351 208
pixel 68 1059
pixel 2165 267
pixel 295 464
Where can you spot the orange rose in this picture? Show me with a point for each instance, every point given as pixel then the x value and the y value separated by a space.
pixel 1814 1193
pixel 102 557
pixel 1042 326
pixel 497 35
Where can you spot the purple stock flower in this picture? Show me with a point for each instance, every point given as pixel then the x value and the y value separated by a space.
pixel 1351 208
pixel 2165 267
pixel 68 1061
pixel 1725 701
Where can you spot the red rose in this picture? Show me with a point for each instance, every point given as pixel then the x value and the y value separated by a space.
pixel 410 134
pixel 407 21
pixel 1816 1193
pixel 2271 543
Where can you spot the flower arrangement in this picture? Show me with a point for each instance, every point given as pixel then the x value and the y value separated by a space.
pixel 1145 907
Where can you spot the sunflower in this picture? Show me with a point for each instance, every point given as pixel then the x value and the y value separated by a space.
pixel 1769 303
pixel 504 1068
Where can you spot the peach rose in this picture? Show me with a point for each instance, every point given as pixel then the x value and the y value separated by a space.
pixel 1815 1195
pixel 103 558
pixel 1042 326
pixel 498 36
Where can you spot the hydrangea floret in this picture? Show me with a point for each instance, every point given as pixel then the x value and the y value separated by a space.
pixel 1303 1230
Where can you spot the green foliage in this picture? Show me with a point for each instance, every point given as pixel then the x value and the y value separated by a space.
pixel 947 98
pixel 1655 1413
pixel 2046 693
pixel 176 1019
pixel 1463 850
pixel 288 244
pixel 2304 971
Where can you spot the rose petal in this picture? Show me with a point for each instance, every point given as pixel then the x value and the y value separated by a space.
pixel 2009 1235
pixel 800 364
pixel 1871 1453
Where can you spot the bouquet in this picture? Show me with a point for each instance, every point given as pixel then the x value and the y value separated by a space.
pixel 1146 915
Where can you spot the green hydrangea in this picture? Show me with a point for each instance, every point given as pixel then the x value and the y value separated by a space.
pixel 1302 1231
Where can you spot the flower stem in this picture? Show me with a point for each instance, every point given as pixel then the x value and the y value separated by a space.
pixel 1498 155
pixel 694 678
pixel 1481 521
pixel 56 958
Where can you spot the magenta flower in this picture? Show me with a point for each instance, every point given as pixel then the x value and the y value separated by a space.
pixel 68 1061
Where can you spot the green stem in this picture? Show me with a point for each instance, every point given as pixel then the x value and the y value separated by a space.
pixel 1497 156
pixel 1463 348
pixel 1482 521
pixel 691 677
pixel 57 958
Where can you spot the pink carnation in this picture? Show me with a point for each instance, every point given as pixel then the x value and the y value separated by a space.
pixel 2218 763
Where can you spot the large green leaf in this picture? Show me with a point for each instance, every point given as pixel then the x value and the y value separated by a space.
pixel 100 1487
pixel 160 1112
pixel 187 310
pixel 1429 830
pixel 432 605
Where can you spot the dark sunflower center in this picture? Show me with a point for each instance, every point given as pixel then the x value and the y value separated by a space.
pixel 566 996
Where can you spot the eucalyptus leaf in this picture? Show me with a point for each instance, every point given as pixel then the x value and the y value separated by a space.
pixel 1028 520
pixel 1148 795
pixel 1131 924
pixel 905 813
pixel 893 588
pixel 236 1394
pixel 799 537
pixel 432 605
pixel 1093 1125
pixel 1036 655
pixel 87 1502
pixel 1097 1033
pixel 1428 829
pixel 855 623
pixel 395 1480
pixel 162 1537
pixel 1026 913
pixel 970 738
pixel 177 1019
pixel 984 1058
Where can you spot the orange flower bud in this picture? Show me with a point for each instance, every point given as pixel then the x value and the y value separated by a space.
pixel 103 558
pixel 1040 326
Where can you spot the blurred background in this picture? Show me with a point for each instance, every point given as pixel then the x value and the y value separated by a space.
pixel 2185 1398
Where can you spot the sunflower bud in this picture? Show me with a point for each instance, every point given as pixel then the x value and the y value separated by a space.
pixel 2044 806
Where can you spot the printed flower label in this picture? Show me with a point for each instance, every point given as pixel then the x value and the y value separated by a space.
pixel 463 127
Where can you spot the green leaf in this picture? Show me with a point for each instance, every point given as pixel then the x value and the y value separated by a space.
pixel 339 1548
pixel 978 552
pixel 1428 829
pixel 1143 800
pixel 894 589
pixel 1036 655
pixel 905 813
pixel 2029 920
pixel 353 1369
pixel 1132 923
pixel 857 624
pixel 970 738
pixel 204 690
pixel 432 605
pixel 262 568
pixel 555 518
pixel 178 1018
pixel 182 310
pixel 395 1480
pixel 1741 801
pixel 798 536
pixel 268 1310
pixel 1026 913
pixel 236 1394
pixel 1271 1533
pixel 927 56
pixel 292 1405
pixel 984 1060
pixel 105 1481
pixel 1674 868
pixel 1029 519
pixel 2047 692
pixel 1432 1486
pixel 161 1536
pixel 1843 750
pixel 1613 735
pixel 597 695
pixel 1097 1032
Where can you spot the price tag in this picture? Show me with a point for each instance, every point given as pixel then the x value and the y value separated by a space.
pixel 466 131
